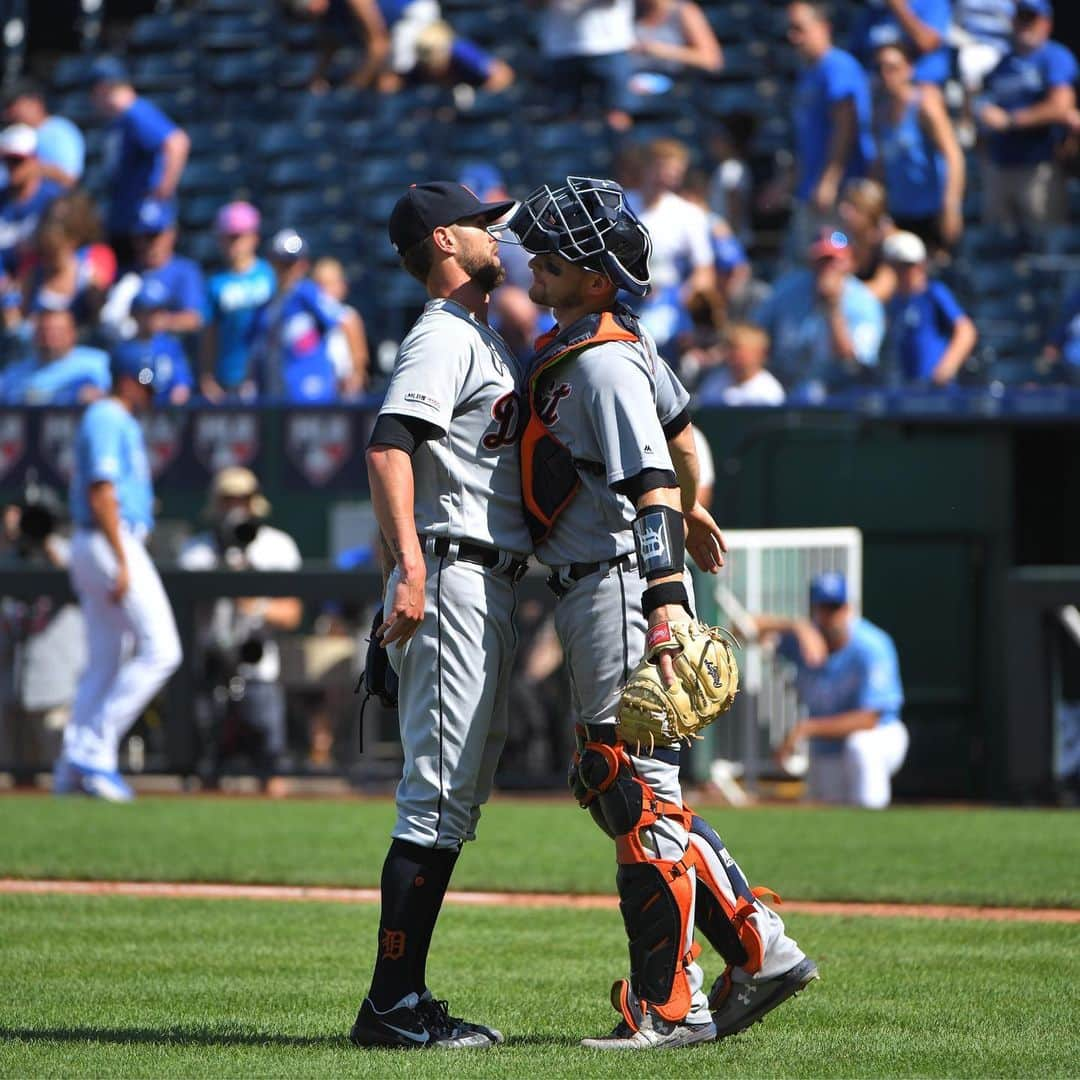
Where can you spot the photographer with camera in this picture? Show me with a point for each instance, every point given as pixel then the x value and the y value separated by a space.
pixel 245 705
pixel 41 641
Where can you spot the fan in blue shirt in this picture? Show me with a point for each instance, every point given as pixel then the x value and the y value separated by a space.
pixel 1064 343
pixel 25 199
pixel 930 334
pixel 920 24
pixel 61 147
pixel 156 349
pixel 833 136
pixel 1030 93
pixel 448 60
pixel 806 313
pixel 289 337
pixel 59 371
pixel 145 152
pixel 233 299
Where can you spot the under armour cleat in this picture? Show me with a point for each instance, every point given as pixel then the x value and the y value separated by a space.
pixel 642 1030
pixel 735 1006
pixel 413 1025
pixel 429 1003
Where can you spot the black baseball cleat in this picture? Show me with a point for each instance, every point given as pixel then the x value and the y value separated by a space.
pixel 735 1006
pixel 428 1003
pixel 413 1025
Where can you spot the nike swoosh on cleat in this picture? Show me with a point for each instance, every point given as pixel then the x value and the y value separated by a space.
pixel 422 1037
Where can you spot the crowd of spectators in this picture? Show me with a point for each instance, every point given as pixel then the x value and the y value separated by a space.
pixel 888 121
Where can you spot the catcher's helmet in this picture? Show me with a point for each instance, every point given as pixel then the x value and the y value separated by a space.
pixel 589 223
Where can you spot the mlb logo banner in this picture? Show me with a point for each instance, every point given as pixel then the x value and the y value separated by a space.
pixel 223 438
pixel 319 445
pixel 56 443
pixel 12 446
pixel 165 433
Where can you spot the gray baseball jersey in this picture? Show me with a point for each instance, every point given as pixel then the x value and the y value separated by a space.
pixel 608 405
pixel 459 375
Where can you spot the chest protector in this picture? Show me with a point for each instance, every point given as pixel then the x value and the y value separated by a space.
pixel 549 472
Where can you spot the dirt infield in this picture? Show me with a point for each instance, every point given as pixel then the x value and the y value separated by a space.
pixel 176 890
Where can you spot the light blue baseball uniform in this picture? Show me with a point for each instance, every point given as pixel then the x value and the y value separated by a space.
pixel 117 683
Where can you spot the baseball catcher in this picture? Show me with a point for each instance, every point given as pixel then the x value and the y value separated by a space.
pixel 605 504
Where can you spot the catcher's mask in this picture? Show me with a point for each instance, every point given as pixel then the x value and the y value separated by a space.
pixel 589 223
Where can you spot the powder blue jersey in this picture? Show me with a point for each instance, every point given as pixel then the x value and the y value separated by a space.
pixel 233 298
pixel 864 674
pixel 110 446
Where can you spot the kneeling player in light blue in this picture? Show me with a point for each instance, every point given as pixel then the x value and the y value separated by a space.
pixel 849 680
pixel 119 590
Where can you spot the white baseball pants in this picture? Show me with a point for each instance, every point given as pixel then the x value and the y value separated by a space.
pixel 132 647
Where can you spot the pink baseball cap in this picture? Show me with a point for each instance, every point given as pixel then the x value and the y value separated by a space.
pixel 237 217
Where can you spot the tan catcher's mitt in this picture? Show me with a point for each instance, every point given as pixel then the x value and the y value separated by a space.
pixel 707 679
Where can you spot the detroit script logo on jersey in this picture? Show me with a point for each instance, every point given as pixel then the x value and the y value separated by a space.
pixel 549 399
pixel 506 412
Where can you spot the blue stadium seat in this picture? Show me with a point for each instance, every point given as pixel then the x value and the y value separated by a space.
pixel 164 71
pixel 215 136
pixel 72 73
pixel 340 106
pixel 203 248
pixel 291 140
pixel 216 174
pixel 296 70
pixel 181 105
pixel 238 71
pixel 302 173
pixel 168 30
pixel 997 279
pixel 232 33
pixel 232 6
pixel 299 209
pixel 731 24
pixel 198 211
pixel 487 26
pixel 387 174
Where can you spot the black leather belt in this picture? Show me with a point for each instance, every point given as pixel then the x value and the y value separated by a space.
pixel 481 554
pixel 578 570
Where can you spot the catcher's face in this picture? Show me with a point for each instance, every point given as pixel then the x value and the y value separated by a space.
pixel 559 283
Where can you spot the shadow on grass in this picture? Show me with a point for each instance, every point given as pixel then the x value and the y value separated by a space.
pixel 173 1036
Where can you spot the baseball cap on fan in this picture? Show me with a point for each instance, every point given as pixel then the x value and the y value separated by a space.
pixel 828 588
pixel 1038 7
pixel 426 207
pixel 904 248
pixel 18 141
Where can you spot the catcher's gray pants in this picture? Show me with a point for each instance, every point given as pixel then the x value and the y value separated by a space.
pixel 602 629
pixel 452 700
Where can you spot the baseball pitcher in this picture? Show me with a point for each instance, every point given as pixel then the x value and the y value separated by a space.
pixel 443 466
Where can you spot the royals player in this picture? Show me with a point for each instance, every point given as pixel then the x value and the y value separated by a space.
pixel 133 646
pixel 605 513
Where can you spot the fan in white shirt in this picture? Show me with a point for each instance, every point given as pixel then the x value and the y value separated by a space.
pixel 743 380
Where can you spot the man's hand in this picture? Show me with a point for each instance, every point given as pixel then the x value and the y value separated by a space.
pixel 995 118
pixel 406 609
pixel 952 224
pixel 668 613
pixel 121 583
pixel 704 540
pixel 790 744
pixel 211 389
pixel 830 284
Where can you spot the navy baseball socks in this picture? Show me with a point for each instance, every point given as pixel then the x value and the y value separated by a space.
pixel 400 1010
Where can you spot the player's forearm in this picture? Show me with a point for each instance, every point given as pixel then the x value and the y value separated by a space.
pixel 390 476
pixel 665 497
pixel 687 471
pixel 838 726
pixel 182 322
pixel 176 148
pixel 106 513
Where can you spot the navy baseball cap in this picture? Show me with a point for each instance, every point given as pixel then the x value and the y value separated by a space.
pixel 828 588
pixel 108 69
pixel 135 358
pixel 152 296
pixel 426 207
pixel 155 215
pixel 1039 7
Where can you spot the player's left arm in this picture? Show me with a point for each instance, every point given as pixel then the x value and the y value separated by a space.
pixel 1056 108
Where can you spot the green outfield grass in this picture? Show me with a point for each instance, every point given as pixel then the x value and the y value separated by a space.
pixel 163 988
pixel 935 855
